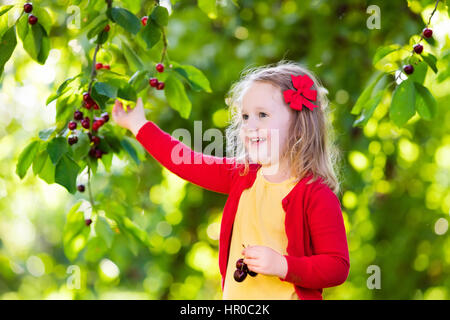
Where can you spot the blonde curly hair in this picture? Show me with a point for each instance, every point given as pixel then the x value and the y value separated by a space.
pixel 311 147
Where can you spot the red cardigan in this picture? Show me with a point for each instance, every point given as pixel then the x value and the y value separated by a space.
pixel 317 251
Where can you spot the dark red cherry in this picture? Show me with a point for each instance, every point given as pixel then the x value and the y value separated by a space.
pixel 239 275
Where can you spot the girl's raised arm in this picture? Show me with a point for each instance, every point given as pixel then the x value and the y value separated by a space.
pixel 210 172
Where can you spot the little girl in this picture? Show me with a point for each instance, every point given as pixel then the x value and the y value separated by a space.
pixel 282 215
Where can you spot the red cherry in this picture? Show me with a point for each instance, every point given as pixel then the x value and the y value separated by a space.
pixel 251 273
pixel 107 28
pixel 105 116
pixel 160 67
pixel 98 153
pixel 78 115
pixel 107 66
pixel 96 107
pixel 88 222
pixel 144 20
pixel 92 152
pixel 427 33
pixel 72 125
pixel 240 264
pixel 72 140
pixel 160 86
pixel 95 126
pixel 418 48
pixel 32 19
pixel 81 187
pixel 95 140
pixel 408 69
pixel 153 82
pixel 85 123
pixel 98 66
pixel 27 7
pixel 239 275
pixel 86 96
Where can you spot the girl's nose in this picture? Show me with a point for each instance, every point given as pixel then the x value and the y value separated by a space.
pixel 251 124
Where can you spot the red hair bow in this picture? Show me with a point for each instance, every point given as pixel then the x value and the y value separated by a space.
pixel 301 97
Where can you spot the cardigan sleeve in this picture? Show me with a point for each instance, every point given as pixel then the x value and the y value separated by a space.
pixel 329 264
pixel 210 172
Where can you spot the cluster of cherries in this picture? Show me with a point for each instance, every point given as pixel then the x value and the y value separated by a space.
pixel 242 270
pixel 100 65
pixel 418 48
pixel 32 19
pixel 159 85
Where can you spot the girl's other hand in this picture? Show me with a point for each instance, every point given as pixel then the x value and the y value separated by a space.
pixel 265 260
pixel 131 119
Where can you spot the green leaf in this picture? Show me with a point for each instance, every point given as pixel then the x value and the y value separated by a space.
pixel 112 140
pixel 46 170
pixel 130 227
pixel 151 34
pixel 176 96
pixel 383 52
pixel 420 72
pixel 102 37
pixel 366 94
pixel 97 29
pixel 8 43
pixel 36 43
pixel 63 88
pixel 403 103
pixel 425 103
pixel 196 79
pixel 23 27
pixel 93 164
pixel 5 9
pixel 107 161
pixel 66 172
pixel 104 231
pixel 44 18
pixel 208 7
pixel 39 161
pixel 139 80
pixel 160 15
pixel 75 233
pixel 102 92
pixel 105 89
pixel 81 148
pixel 430 60
pixel 127 92
pixel 46 133
pixel 369 109
pixel 56 148
pixel 64 113
pixel 133 59
pixel 95 249
pixel 126 19
pixel 130 149
pixel 26 158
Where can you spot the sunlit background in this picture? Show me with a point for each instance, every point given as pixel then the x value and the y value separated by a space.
pixel 395 181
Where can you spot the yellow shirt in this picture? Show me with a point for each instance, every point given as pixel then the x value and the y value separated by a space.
pixel 259 221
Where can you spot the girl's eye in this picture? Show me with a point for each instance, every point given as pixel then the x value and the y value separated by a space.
pixel 245 116
pixel 263 114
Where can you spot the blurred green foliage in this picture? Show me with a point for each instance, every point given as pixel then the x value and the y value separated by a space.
pixel 156 236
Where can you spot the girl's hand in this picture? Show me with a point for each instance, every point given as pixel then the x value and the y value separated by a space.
pixel 265 260
pixel 132 120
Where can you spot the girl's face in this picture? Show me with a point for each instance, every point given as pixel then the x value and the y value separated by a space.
pixel 265 123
